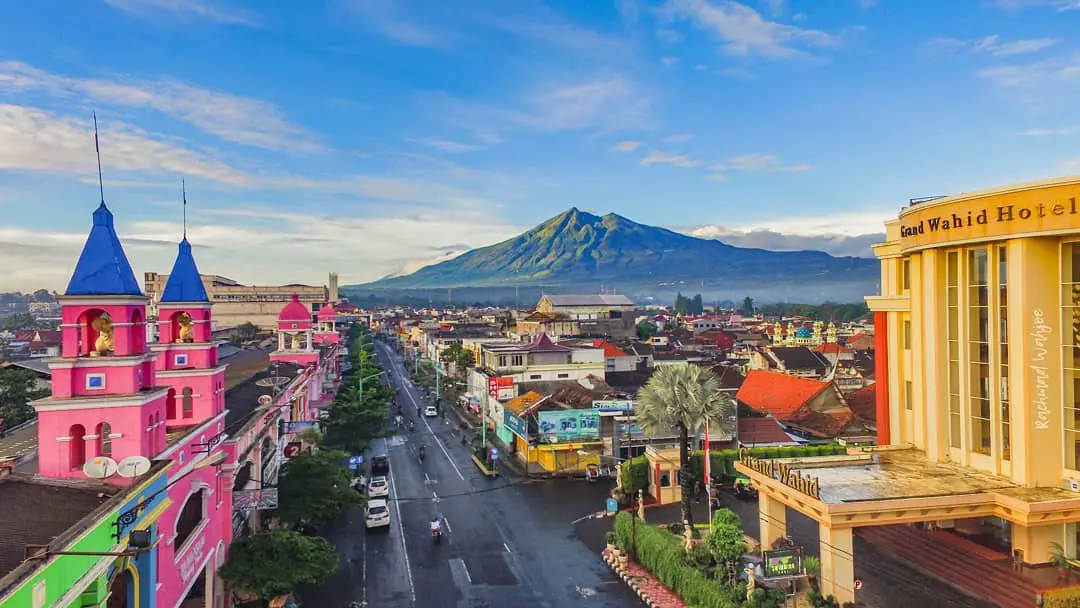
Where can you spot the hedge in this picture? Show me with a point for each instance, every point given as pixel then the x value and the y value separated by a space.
pixel 636 470
pixel 1062 598
pixel 661 553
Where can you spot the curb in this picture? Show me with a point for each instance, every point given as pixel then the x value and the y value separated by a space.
pixel 613 563
pixel 483 469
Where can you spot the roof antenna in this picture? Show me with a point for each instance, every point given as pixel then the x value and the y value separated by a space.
pixel 97 148
pixel 183 190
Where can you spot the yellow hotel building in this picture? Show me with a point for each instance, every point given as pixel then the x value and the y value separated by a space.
pixel 978 414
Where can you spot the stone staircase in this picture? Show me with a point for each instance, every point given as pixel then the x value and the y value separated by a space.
pixel 971 569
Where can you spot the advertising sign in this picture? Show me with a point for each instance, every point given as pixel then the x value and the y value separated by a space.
pixel 568 425
pixel 514 424
pixel 782 562
pixel 501 387
pixel 613 405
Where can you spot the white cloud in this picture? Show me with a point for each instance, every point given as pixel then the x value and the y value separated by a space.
pixel 763 238
pixel 744 31
pixel 213 11
pixel 446 145
pixel 1058 5
pixel 670 36
pixel 669 62
pixel 385 17
pixel 776 8
pixel 853 223
pixel 626 146
pixel 657 157
pixel 759 163
pixel 1048 132
pixel 678 137
pixel 232 118
pixel 603 104
pixel 992 45
pixel 1039 84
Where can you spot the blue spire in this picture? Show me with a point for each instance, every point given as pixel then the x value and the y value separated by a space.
pixel 184 284
pixel 103 268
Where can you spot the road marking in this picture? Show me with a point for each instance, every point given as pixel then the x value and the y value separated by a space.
pixel 433 435
pixel 426 478
pixel 507 548
pixel 433 494
pixel 447 523
pixel 465 569
pixel 401 531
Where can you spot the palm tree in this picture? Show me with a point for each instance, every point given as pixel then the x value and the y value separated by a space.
pixel 684 397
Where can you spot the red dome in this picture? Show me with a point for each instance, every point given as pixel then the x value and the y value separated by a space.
pixel 295 311
pixel 326 313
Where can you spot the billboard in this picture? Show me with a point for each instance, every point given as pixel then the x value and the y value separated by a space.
pixel 514 424
pixel 501 387
pixel 782 562
pixel 613 405
pixel 568 425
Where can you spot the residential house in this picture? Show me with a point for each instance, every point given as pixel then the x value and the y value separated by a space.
pixel 860 341
pixel 553 324
pixel 543 359
pixel 596 315
pixel 793 360
pixel 809 407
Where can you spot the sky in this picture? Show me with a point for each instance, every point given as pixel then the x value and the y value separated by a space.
pixel 370 137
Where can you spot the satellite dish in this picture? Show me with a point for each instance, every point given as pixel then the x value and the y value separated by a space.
pixel 101 467
pixel 265 400
pixel 133 466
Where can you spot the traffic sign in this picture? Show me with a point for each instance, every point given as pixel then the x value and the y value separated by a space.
pixel 494 453
pixel 356 460
pixel 612 505
pixel 858 584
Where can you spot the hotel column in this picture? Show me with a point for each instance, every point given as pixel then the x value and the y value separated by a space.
pixel 881 373
pixel 837 554
pixel 1035 355
pixel 772 515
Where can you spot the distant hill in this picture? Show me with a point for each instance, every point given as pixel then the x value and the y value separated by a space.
pixel 577 251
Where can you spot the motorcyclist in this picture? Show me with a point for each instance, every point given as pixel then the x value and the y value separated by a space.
pixel 412 426
pixel 421 452
pixel 436 527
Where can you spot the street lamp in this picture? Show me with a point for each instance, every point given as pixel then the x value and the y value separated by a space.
pixel 138 540
pixel 360 382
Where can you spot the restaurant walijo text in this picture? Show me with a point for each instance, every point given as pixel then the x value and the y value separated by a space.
pixel 978 410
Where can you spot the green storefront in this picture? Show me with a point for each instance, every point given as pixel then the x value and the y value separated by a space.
pixel 83 581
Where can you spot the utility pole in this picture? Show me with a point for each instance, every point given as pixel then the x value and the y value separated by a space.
pixel 633 496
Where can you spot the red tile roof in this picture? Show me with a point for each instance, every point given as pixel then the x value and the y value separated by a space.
pixel 778 394
pixel 822 424
pixel 761 430
pixel 610 350
pixel 864 402
pixel 827 348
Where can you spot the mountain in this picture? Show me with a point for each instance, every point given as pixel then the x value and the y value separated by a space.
pixel 576 250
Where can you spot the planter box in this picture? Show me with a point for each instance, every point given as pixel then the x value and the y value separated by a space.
pixel 483 468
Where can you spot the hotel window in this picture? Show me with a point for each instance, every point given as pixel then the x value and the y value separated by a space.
pixel 952 273
pixel 907 334
pixel 905 275
pixel 907 395
pixel 978 322
pixel 1003 348
pixel 1070 356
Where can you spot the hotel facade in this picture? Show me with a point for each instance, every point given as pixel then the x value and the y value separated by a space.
pixel 977 331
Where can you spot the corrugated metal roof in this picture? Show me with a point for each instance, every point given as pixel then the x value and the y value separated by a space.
pixel 591 300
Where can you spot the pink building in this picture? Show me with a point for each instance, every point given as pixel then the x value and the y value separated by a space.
pixel 295 335
pixel 326 331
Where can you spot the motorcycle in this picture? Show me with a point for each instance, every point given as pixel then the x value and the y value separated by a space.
pixel 436 531
pixel 745 492
pixel 412 426
pixel 421 453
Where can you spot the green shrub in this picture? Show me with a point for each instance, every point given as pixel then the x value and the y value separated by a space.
pixel 1062 598
pixel 723 461
pixel 662 554
pixel 635 474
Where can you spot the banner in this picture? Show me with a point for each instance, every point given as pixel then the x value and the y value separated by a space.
pixel 255 500
pixel 514 424
pixel 782 562
pixel 501 387
pixel 568 425
pixel 613 405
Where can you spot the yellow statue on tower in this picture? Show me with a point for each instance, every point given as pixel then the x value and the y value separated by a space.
pixel 187 333
pixel 103 345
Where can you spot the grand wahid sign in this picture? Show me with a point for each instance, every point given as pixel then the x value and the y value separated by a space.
pixel 1002 213
pixel 782 472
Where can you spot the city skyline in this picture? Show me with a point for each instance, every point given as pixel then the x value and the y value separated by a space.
pixel 371 137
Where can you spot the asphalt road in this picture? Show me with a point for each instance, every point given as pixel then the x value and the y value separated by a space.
pixel 507 541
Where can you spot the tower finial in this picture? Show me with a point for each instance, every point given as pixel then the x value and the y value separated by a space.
pixel 97 148
pixel 183 191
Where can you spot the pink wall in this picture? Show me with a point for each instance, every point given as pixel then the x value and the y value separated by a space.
pixel 180 560
pixel 207 397
pixel 197 358
pixel 169 326
pixel 72 382
pixel 141 430
pixel 78 335
pixel 326 338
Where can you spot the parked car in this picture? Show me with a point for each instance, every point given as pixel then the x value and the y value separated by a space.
pixel 377 514
pixel 430 411
pixel 378 487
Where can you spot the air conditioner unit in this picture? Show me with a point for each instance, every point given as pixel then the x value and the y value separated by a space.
pixel 1073 485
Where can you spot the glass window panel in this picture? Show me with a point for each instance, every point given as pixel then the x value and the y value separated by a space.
pixel 1003 266
pixel 954 378
pixel 1072 449
pixel 977 267
pixel 954 428
pixel 952 269
pixel 1072 259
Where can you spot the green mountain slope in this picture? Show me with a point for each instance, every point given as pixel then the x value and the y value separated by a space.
pixel 577 248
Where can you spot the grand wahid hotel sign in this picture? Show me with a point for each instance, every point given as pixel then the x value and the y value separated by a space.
pixel 932 225
pixel 782 472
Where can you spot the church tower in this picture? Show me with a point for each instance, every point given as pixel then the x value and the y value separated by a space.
pixel 103 402
pixel 326 325
pixel 187 354
pixel 295 333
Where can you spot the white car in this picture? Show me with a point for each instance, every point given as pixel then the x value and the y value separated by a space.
pixel 430 411
pixel 377 514
pixel 378 486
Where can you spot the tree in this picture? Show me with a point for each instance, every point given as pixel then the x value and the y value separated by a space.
pixel 314 487
pixel 696 307
pixel 646 330
pixel 727 543
pixel 244 332
pixel 18 387
pixel 748 306
pixel 460 357
pixel 275 563
pixel 681 304
pixel 684 397
pixel 22 321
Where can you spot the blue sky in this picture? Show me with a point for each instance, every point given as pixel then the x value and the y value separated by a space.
pixel 369 136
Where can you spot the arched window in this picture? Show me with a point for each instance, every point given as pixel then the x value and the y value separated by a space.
pixel 187 402
pixel 138 333
pixel 104 442
pixel 77 446
pixel 170 405
pixel 190 517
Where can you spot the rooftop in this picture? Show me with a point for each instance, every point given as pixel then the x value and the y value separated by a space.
pixel 590 300
pixel 185 283
pixel 27 522
pixel 103 267
pixel 243 398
